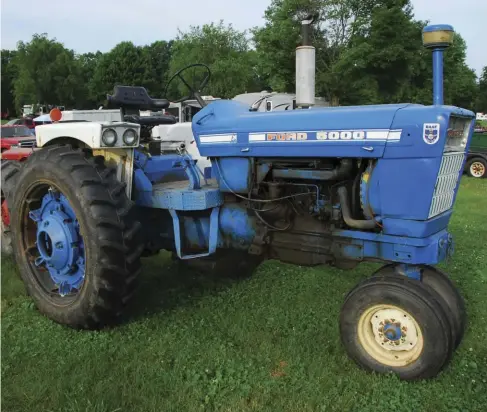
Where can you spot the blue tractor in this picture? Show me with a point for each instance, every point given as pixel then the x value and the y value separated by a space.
pixel 308 186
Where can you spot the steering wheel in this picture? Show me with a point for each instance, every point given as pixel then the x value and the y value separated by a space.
pixel 193 92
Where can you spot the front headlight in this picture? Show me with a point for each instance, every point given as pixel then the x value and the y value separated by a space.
pixel 109 137
pixel 130 137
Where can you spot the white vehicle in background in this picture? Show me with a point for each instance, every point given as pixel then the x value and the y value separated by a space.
pixel 184 111
pixel 265 101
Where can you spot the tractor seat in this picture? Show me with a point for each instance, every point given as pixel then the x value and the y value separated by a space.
pixel 150 120
pixel 135 97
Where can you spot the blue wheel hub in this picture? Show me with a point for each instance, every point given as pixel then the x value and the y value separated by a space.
pixel 392 331
pixel 59 242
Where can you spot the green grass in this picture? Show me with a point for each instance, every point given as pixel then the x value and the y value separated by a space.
pixel 269 343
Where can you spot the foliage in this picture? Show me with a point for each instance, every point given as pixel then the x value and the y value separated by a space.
pixel 481 103
pixel 47 73
pixel 224 50
pixel 276 42
pixel 367 52
pixel 87 63
pixel 361 57
pixel 126 64
pixel 9 73
pixel 158 55
pixel 196 342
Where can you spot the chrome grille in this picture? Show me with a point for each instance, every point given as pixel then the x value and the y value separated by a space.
pixel 27 143
pixel 446 183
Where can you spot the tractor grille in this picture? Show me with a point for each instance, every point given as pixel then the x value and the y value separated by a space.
pixel 446 183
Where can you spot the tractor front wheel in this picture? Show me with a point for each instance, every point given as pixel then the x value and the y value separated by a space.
pixel 75 237
pixel 390 323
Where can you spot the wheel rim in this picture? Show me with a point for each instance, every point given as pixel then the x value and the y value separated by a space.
pixel 390 335
pixel 54 245
pixel 477 169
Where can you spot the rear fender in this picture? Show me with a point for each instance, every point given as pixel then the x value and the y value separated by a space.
pixel 122 159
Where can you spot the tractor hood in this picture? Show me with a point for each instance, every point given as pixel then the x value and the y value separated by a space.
pixel 228 128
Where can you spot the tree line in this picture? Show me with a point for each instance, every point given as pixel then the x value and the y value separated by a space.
pixel 367 52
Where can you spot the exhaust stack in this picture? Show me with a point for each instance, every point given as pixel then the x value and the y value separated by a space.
pixel 305 67
pixel 438 37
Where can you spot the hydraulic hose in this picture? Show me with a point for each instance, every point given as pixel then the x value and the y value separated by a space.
pixel 347 215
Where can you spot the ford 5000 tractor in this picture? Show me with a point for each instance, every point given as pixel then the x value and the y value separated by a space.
pixel 308 186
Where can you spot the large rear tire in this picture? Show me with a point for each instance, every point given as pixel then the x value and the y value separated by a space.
pixel 75 237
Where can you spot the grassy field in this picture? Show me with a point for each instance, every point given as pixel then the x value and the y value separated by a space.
pixel 269 343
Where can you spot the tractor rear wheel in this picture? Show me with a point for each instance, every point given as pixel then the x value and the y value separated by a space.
pixel 75 237
pixel 391 323
pixel 10 174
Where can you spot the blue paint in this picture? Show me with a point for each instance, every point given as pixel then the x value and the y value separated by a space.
pixel 392 331
pixel 207 173
pixel 59 242
pixel 438 47
pixel 404 142
pixel 234 117
pixel 172 182
pixel 438 76
pixel 416 228
pixel 411 271
pixel 233 175
pixel 356 245
pixel 142 188
pixel 177 196
pixel 437 27
pixel 236 227
pixel 162 168
pixel 212 239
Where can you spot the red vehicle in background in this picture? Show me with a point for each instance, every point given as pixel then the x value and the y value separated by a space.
pixel 24 121
pixel 16 137
pixel 17 142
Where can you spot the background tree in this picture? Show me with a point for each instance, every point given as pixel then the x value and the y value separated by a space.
pixel 47 73
pixel 460 88
pixel 226 52
pixel 9 73
pixel 379 59
pixel 158 55
pixel 360 56
pixel 276 42
pixel 87 65
pixel 367 51
pixel 481 104
pixel 126 64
